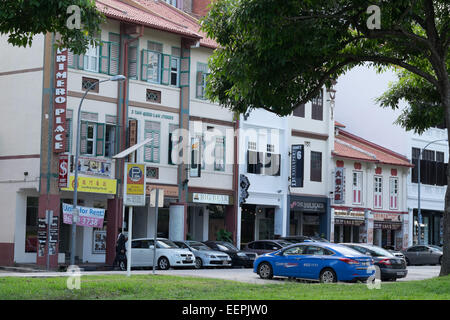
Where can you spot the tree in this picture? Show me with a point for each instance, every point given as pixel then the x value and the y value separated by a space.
pixel 276 54
pixel 23 19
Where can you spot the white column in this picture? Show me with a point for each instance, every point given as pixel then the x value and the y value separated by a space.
pixel 332 225
pixel 176 222
pixel 205 224
pixel 239 225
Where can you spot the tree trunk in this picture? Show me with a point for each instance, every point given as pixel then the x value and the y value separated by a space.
pixel 445 266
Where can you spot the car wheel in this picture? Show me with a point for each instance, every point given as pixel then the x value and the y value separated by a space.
pixel 328 276
pixel 408 263
pixel 122 266
pixel 163 263
pixel 198 263
pixel 265 270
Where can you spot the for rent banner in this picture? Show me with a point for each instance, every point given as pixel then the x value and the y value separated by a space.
pixel 88 217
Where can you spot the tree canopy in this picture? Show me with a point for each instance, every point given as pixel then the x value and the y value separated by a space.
pixel 23 19
pixel 276 54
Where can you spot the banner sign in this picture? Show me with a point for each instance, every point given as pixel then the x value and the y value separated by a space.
pixel 339 186
pixel 94 166
pixel 297 165
pixel 135 184
pixel 211 198
pixel 63 179
pixel 93 185
pixel 88 217
pixel 60 101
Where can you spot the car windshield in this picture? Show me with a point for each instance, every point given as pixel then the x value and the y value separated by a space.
pixel 284 243
pixel 199 246
pixel 436 248
pixel 346 251
pixel 166 244
pixel 226 246
pixel 374 251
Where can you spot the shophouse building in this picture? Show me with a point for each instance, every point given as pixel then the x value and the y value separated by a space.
pixel 370 193
pixel 161 51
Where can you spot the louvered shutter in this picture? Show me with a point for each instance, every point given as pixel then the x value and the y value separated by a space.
pixel 100 143
pixel 83 137
pixel 165 69
pixel 144 68
pixel 184 71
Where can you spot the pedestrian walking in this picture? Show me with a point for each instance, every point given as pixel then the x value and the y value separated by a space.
pixel 121 258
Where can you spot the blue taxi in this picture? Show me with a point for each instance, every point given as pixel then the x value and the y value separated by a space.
pixel 325 262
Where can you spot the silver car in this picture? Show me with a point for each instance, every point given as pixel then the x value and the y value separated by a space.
pixel 423 254
pixel 204 255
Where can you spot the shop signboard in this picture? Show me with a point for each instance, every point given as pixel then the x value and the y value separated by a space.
pixel 210 198
pixel 339 185
pixel 88 217
pixel 63 180
pixel 94 166
pixel 308 206
pixel 93 185
pixel 297 165
pixel 60 101
pixel 135 184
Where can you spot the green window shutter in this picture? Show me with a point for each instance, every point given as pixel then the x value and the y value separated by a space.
pixel 83 137
pixel 144 68
pixel 100 143
pixel 170 149
pixel 185 67
pixel 80 62
pixel 105 48
pixel 199 85
pixel 152 149
pixel 165 69
pixel 72 60
pixel 114 57
pixel 133 50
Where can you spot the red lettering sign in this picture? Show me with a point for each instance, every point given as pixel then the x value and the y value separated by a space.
pixel 63 180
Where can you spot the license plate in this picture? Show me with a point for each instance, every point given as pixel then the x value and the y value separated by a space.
pixel 365 263
pixel 400 273
pixel 224 262
pixel 189 261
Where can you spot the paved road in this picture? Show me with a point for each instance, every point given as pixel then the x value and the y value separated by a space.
pixel 243 275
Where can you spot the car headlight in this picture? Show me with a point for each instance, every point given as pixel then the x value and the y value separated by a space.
pixel 241 254
pixel 212 256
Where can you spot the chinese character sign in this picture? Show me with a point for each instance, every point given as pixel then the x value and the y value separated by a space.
pixel 339 185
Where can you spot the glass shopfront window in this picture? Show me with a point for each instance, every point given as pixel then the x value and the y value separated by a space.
pixel 31 240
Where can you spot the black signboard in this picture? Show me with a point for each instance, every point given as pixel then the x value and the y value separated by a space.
pixel 297 165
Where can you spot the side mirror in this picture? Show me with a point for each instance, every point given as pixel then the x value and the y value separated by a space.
pixel 152 247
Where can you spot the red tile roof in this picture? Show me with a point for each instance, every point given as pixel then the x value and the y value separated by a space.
pixel 155 14
pixel 338 124
pixel 351 146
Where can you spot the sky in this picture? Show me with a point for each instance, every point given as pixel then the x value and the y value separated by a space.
pixel 355 107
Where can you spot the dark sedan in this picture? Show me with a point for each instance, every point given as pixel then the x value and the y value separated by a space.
pixel 238 257
pixel 391 267
pixel 300 239
pixel 265 246
pixel 423 254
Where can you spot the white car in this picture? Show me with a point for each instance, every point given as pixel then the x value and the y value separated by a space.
pixel 168 254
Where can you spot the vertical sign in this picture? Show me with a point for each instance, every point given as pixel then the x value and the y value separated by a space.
pixel 339 186
pixel 60 101
pixel 297 165
pixel 134 193
pixel 132 135
pixel 196 160
pixel 63 180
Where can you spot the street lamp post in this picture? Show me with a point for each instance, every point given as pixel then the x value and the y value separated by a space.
pixel 419 213
pixel 77 152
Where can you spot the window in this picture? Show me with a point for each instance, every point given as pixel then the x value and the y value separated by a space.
pixel 90 139
pixel 68 132
pixel 152 129
pixel 174 68
pixel 172 128
pixel 415 161
pixel 316 166
pixel 299 111
pixel 393 193
pixel 110 140
pixel 317 107
pixel 87 83
pixel 294 251
pixel 432 167
pixel 172 2
pixel 357 187
pixel 219 154
pixel 378 191
pixel 91 59
pixel 133 49
pixel 202 74
pixel 31 229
